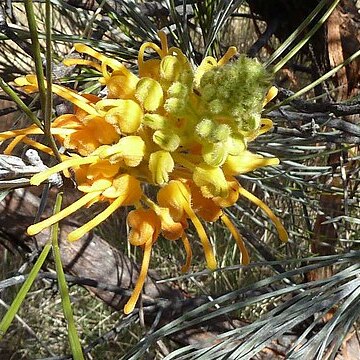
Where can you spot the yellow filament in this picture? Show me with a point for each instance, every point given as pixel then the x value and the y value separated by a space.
pixel 209 254
pixel 231 51
pixel 187 247
pixel 71 62
pixel 245 258
pixel 81 231
pixel 33 130
pixel 36 228
pixel 130 305
pixel 114 64
pixel 39 178
pixel 75 98
pixel 39 146
pixel 141 53
pixel 164 43
pixel 70 95
pixel 104 71
pixel 13 143
pixel 178 52
pixel 279 226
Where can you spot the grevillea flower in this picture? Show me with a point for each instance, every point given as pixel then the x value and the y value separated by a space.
pixel 181 130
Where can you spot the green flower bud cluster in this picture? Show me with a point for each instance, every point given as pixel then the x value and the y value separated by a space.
pixel 236 90
pixel 218 113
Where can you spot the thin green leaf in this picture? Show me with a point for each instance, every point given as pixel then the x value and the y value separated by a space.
pixel 64 293
pixel 12 311
pixel 8 90
pixel 306 37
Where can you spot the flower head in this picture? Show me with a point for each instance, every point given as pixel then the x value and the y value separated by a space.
pixel 184 131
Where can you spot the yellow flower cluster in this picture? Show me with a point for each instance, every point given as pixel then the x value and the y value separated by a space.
pixel 182 130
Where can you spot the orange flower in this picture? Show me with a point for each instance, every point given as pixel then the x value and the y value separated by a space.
pixel 180 129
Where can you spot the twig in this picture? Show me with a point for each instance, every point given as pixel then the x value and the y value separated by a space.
pixel 338 109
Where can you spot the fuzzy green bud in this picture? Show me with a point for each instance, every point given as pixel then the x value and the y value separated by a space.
pixel 222 132
pixel 211 131
pixel 175 106
pixel 216 106
pixel 204 128
pixel 178 90
pixel 236 89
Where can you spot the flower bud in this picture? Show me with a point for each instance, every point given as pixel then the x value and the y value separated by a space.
pixel 127 115
pixel 166 140
pixel 160 165
pixel 170 68
pixel 150 94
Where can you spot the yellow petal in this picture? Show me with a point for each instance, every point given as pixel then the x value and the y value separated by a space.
pixel 130 149
pixel 246 162
pixel 211 180
pixel 170 68
pixel 176 196
pixel 121 86
pixel 160 165
pixel 127 115
pixel 145 226
pixel 97 185
pixel 126 187
pixel 273 91
pixel 170 229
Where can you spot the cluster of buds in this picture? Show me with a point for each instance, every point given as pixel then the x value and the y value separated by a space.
pixel 181 130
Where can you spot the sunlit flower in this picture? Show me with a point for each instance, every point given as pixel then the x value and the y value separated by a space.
pixel 181 130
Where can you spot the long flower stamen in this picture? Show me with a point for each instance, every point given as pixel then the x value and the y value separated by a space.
pixel 40 146
pixel 9 149
pixel 208 250
pixel 77 161
pixel 130 305
pixel 245 258
pixel 75 61
pixel 81 231
pixel 187 247
pixel 283 235
pixel 36 228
